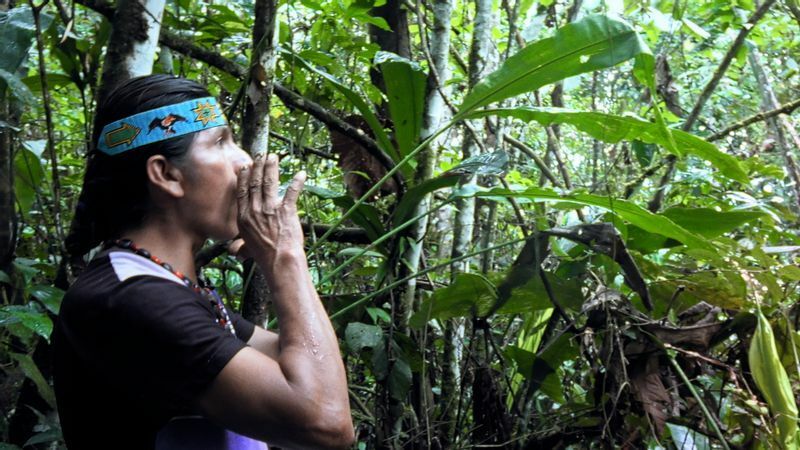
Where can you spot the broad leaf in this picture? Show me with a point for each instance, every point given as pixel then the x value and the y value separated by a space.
pixel 49 296
pixel 31 371
pixel 708 222
pixel 611 128
pixel 624 209
pixel 409 201
pixel 470 294
pixel 27 316
pixel 773 382
pixel 592 43
pixel 17 30
pixel 360 335
pixel 405 87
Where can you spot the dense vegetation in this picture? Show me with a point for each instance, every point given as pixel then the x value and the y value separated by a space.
pixel 535 224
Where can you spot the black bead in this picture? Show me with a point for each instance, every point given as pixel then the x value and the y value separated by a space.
pixel 144 253
pixel 124 243
pixel 167 266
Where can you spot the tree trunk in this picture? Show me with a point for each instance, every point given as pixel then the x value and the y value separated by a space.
pixel 395 40
pixel 434 115
pixel 132 46
pixel 7 214
pixel 777 126
pixel 479 67
pixel 255 134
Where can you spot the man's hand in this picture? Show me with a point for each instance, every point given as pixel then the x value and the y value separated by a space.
pixel 268 225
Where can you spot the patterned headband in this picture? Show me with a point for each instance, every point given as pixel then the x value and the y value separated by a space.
pixel 161 123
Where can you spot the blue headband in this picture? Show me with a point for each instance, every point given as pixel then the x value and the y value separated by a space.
pixel 160 124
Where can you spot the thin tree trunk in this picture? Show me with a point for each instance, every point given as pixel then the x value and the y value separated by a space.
pixel 434 115
pixel 255 135
pixel 132 46
pixel 777 125
pixel 479 66
pixel 7 214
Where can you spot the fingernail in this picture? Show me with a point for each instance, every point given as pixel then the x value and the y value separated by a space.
pixel 272 157
pixel 301 174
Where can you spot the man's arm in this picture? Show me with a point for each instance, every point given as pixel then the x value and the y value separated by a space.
pixel 265 342
pixel 298 398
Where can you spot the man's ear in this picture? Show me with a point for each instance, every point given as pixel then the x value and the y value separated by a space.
pixel 165 176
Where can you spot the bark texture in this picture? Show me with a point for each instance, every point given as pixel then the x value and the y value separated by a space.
pixel 133 43
pixel 255 135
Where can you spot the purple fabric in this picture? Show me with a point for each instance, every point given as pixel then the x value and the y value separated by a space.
pixel 198 433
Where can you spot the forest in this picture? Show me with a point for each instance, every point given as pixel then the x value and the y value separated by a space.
pixel 534 224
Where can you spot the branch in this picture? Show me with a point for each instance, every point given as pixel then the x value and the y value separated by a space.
pixel 536 158
pixel 726 61
pixel 658 198
pixel 784 109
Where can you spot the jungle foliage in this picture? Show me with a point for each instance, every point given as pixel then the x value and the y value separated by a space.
pixel 574 227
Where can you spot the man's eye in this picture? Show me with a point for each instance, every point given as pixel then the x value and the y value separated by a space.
pixel 220 140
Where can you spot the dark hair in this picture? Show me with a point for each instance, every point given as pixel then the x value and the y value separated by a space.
pixel 114 197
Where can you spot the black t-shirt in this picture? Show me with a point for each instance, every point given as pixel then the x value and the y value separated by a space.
pixel 134 348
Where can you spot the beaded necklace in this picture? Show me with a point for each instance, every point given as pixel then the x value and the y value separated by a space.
pixel 223 319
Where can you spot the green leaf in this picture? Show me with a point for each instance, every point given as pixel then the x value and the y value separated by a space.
pixel 361 335
pixel 494 163
pixel 772 381
pixel 592 43
pixel 31 371
pixel 400 380
pixel 28 176
pixel 469 294
pixel 18 88
pixel 409 201
pixel 542 371
pixel 17 30
pixel 49 296
pixel 710 223
pixel 405 87
pixel 687 439
pixel 613 129
pixel 532 296
pixel 630 212
pixel 29 317
pixel 366 111
pixel 789 273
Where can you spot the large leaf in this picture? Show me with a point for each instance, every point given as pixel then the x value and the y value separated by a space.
pixel 612 128
pixel 592 43
pixel 405 87
pixel 29 317
pixel 366 111
pixel 409 201
pixel 708 222
pixel 773 382
pixel 630 212
pixel 361 335
pixel 17 30
pixel 28 177
pixel 484 164
pixel 469 294
pixel 31 371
